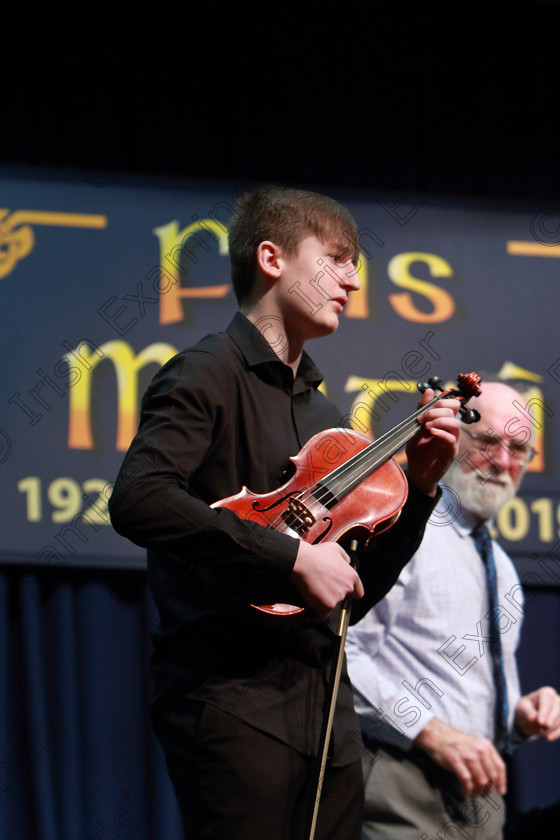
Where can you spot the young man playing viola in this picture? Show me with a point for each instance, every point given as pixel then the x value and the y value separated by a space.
pixel 238 707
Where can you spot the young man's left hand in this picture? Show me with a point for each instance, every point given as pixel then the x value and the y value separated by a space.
pixel 433 449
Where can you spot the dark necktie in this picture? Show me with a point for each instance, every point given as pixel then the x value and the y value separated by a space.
pixel 483 544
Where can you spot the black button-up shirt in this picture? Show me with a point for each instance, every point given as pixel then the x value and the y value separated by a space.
pixel 221 415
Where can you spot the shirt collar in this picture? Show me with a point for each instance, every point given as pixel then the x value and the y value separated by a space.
pixel 257 351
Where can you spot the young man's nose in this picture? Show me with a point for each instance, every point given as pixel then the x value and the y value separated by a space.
pixel 349 278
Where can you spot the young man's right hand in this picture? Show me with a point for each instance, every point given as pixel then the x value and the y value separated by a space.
pixel 323 577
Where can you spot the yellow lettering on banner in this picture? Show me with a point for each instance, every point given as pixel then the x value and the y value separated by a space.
pixel 513 520
pixel 403 304
pixel 177 247
pixel 127 365
pixel 17 238
pixel 358 301
pixel 375 397
pixel 532 249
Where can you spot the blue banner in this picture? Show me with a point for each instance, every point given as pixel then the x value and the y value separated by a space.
pixel 102 280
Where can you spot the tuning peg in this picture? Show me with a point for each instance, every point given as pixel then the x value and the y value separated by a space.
pixel 434 382
pixel 469 415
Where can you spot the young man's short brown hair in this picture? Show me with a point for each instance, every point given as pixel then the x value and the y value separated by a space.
pixel 284 216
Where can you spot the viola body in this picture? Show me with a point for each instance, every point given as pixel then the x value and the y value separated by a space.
pixel 345 487
pixel 332 496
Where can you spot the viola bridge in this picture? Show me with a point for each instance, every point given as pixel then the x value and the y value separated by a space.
pixel 297 516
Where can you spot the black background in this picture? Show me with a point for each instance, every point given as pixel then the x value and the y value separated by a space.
pixel 440 98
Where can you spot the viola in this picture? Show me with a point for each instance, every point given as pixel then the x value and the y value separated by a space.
pixel 345 487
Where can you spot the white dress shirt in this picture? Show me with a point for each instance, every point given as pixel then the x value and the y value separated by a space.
pixel 423 651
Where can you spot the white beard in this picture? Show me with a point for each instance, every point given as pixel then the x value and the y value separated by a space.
pixel 483 498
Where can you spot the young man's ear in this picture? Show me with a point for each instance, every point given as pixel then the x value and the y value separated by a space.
pixel 269 257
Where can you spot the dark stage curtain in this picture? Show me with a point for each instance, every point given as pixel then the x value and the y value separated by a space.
pixel 453 99
pixel 78 760
pixel 535 785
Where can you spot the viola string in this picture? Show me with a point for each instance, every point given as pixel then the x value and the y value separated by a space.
pixel 381 450
pixel 373 456
pixel 353 471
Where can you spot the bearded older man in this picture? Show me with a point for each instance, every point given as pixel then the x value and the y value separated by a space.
pixel 435 678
